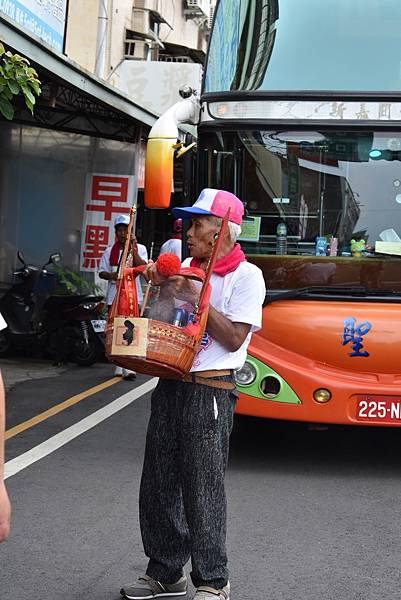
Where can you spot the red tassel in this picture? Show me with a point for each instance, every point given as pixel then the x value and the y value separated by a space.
pixel 192 328
pixel 168 264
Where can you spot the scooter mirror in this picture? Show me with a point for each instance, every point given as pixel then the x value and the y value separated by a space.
pixel 54 258
pixel 20 256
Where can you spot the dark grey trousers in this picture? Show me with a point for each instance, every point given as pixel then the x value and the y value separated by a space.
pixel 182 502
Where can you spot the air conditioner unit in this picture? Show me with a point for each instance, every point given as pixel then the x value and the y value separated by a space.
pixel 152 5
pixel 140 20
pixel 197 8
pixel 146 4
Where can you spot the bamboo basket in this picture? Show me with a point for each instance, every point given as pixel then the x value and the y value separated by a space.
pixel 150 346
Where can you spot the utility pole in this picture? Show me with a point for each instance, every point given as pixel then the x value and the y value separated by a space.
pixel 101 39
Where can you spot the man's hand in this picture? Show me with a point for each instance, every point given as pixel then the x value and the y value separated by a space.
pixel 5 513
pixel 176 286
pixel 108 276
pixel 181 288
pixel 152 275
pixel 136 259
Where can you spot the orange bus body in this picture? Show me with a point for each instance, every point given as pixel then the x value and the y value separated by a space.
pixel 304 344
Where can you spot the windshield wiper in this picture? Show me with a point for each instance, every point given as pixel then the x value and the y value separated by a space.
pixel 329 292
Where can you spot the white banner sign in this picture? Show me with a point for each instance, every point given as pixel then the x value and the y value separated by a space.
pixel 44 19
pixel 106 196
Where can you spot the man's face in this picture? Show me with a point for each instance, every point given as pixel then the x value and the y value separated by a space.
pixel 200 236
pixel 121 233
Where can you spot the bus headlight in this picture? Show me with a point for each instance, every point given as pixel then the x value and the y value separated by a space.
pixel 246 375
pixel 322 395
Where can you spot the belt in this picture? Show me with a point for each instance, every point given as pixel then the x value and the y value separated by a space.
pixel 205 378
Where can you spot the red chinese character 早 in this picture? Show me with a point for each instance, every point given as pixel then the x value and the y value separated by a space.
pixel 111 192
pixel 96 242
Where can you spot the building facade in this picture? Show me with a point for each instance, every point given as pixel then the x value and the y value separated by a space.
pixel 138 30
pixel 146 48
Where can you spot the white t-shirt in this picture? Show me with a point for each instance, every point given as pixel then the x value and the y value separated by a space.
pixel 105 266
pixel 174 246
pixel 239 296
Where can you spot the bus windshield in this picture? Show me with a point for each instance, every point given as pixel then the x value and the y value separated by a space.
pixel 340 184
pixel 347 45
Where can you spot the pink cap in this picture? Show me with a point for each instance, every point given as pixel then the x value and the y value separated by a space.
pixel 213 202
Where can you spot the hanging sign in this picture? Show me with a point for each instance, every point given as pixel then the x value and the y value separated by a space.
pixel 106 196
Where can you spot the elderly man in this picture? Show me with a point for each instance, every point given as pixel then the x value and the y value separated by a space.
pixel 182 498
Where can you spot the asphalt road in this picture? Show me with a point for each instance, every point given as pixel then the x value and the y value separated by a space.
pixel 312 514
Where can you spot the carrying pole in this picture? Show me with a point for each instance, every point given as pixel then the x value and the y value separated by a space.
pixel 128 242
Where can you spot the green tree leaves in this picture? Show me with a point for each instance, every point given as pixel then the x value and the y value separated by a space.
pixel 16 78
pixel 73 283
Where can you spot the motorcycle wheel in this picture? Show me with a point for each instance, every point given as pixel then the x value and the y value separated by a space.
pixel 5 344
pixel 84 354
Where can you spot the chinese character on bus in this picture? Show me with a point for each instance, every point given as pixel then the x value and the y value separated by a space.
pixel 385 110
pixel 363 112
pixel 353 335
pixel 337 109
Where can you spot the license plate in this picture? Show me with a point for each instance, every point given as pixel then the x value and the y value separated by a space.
pixel 382 409
pixel 99 325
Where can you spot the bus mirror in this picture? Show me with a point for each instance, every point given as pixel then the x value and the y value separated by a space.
pixel 159 172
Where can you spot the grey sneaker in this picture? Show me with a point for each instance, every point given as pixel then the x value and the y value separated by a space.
pixel 207 593
pixel 146 587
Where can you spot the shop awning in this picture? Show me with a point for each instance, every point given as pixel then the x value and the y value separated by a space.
pixel 73 99
pixel 196 56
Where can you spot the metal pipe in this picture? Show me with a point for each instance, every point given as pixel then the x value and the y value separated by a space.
pixel 101 39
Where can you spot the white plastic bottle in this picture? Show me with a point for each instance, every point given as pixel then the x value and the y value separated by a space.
pixel 281 238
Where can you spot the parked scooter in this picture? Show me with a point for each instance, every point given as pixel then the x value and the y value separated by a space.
pixel 66 327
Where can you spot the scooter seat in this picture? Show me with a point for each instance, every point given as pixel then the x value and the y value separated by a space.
pixel 69 301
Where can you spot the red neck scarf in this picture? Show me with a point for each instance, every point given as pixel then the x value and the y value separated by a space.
pixel 226 264
pixel 115 254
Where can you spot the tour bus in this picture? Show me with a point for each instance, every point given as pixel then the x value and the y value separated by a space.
pixel 300 117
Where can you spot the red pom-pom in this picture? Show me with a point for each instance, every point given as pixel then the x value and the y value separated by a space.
pixel 168 264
